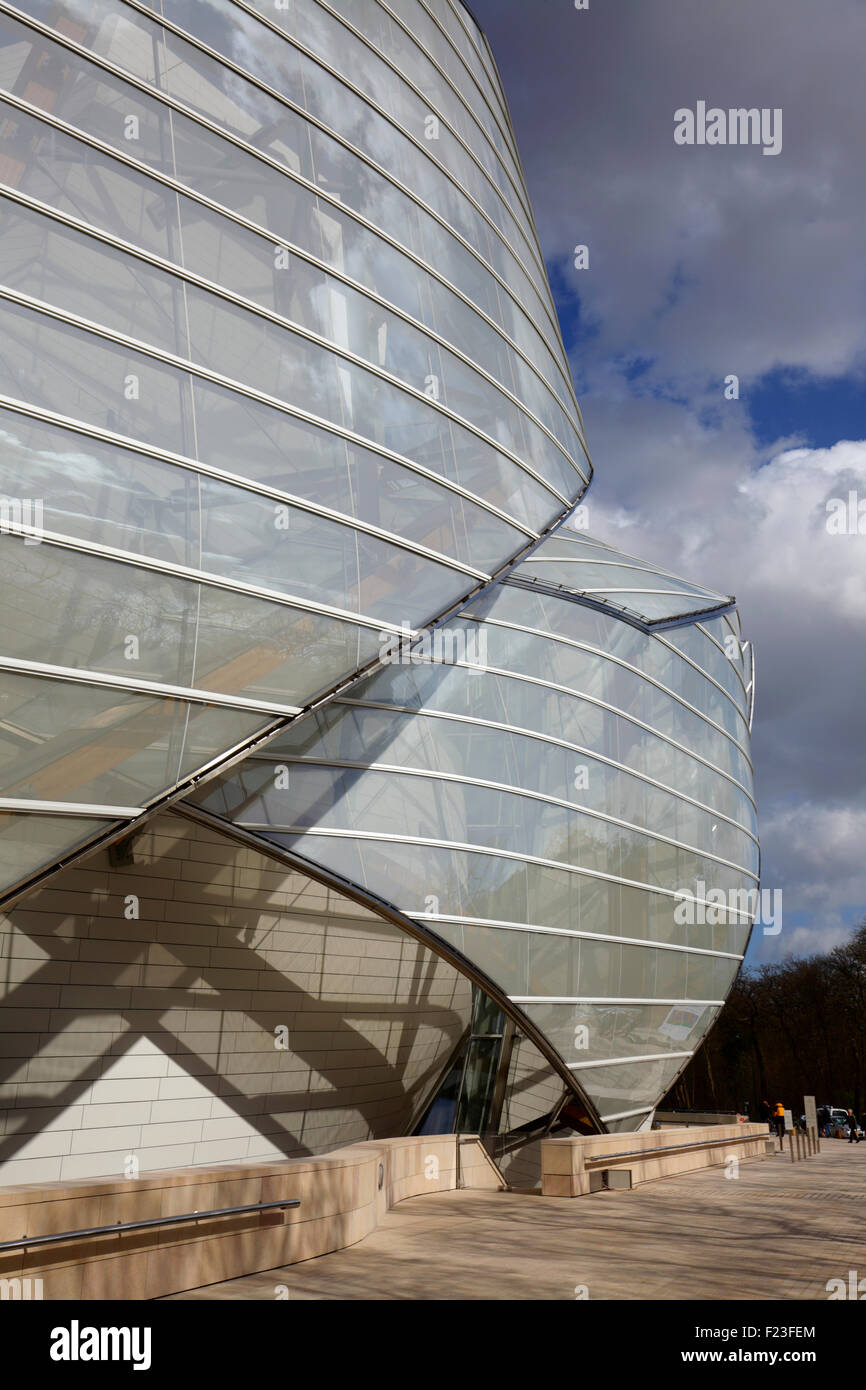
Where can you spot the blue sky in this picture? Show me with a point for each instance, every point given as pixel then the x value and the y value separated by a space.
pixel 819 411
pixel 706 262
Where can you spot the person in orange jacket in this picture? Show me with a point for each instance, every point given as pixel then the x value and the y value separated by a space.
pixel 779 1119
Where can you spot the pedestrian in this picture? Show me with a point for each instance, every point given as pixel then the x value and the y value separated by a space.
pixel 779 1119
pixel 852 1128
pixel 765 1112
pixel 823 1121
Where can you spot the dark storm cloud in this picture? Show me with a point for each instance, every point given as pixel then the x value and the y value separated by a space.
pixel 706 262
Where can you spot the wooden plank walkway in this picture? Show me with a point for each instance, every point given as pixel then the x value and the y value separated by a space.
pixel 778 1231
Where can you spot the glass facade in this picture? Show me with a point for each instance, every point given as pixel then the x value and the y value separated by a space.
pixel 287 435
pixel 562 793
pixel 282 378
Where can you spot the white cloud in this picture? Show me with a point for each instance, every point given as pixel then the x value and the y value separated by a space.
pixel 705 262
pixel 710 260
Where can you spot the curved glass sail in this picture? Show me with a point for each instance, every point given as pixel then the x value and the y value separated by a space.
pixel 281 380
pixel 618 583
pixel 560 796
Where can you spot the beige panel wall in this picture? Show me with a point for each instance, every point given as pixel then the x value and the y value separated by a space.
pixel 139 1007
pixel 569 1165
pixel 343 1197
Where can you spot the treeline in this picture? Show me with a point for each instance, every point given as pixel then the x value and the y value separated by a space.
pixel 788 1030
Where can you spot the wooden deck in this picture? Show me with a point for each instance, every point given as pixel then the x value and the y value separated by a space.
pixel 779 1231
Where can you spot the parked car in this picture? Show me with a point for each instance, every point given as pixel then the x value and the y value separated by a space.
pixel 837 1124
pixel 839 1128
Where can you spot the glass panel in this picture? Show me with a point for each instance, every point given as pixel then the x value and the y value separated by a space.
pixel 75 272
pixel 263 651
pixel 195 78
pixel 30 843
pixel 83 611
pixel 65 742
pixel 311 25
pixel 207 86
pixel 725 665
pixel 487 1017
pixel 615 1089
pixel 454 22
pixel 489 754
pixel 609 579
pixel 99 492
pixel 484 99
pixel 69 609
pixel 478 1082
pixel 440 809
pixel 102 104
pixel 441 1113
pixel 388 37
pixel 583 1033
pixel 68 371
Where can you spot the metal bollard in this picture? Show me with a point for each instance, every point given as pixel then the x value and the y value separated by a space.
pixel 791 1146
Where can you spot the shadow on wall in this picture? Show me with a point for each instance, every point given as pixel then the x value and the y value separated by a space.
pixel 204 1005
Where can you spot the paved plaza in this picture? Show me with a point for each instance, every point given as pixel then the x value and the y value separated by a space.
pixel 780 1230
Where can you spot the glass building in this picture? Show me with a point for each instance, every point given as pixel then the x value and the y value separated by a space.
pixel 287 432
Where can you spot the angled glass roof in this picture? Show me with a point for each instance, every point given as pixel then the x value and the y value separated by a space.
pixel 595 573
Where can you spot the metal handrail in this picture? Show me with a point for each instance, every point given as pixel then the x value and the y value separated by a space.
pixel 596 1160
pixel 699 1110
pixel 120 1227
